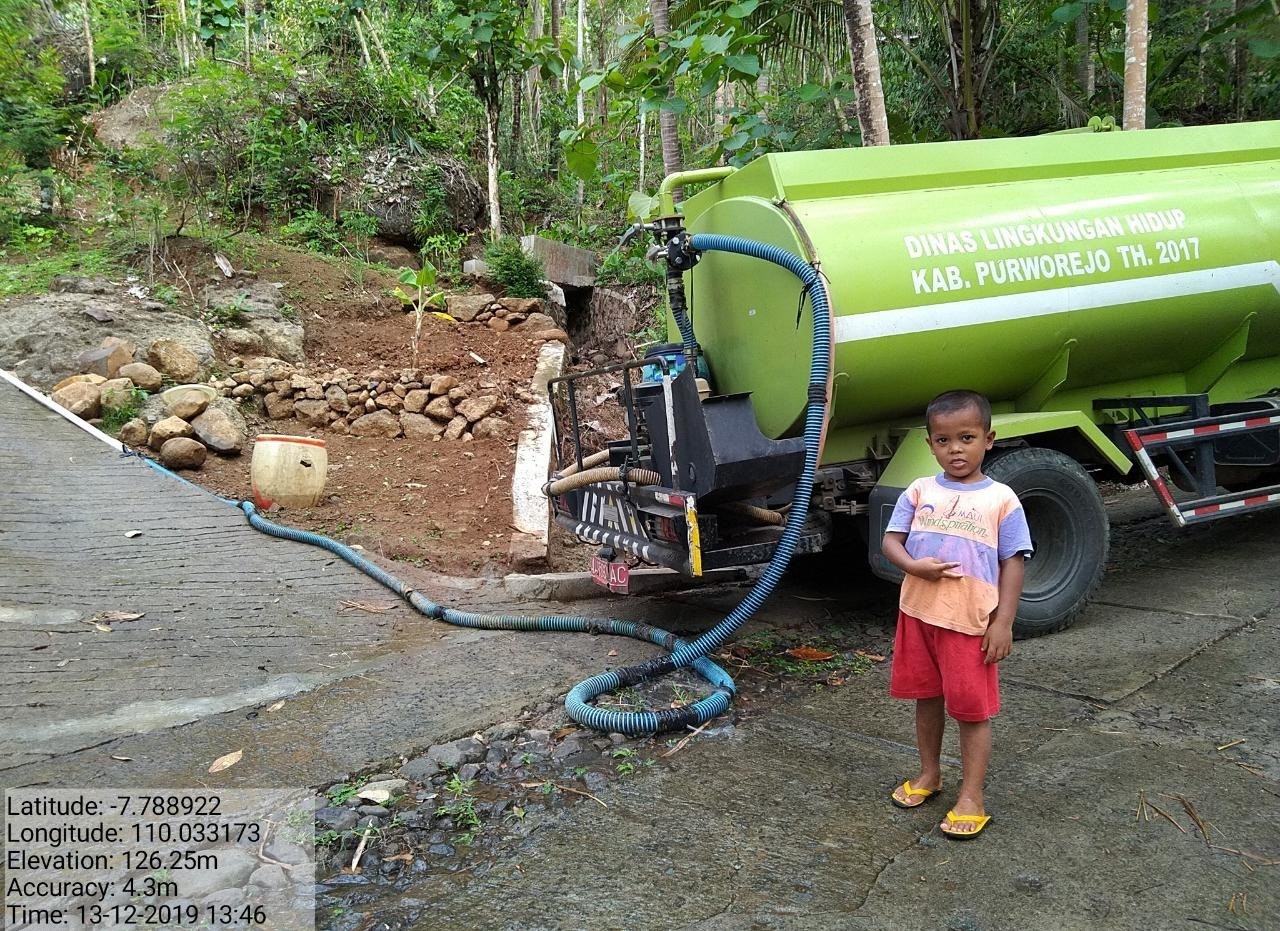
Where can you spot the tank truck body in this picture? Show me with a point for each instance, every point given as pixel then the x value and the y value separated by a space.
pixel 1115 295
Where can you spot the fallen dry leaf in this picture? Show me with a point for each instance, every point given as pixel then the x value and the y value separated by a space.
pixel 378 607
pixel 874 657
pixel 226 761
pixel 221 261
pixel 564 732
pixel 613 653
pixel 405 857
pixel 119 615
pixel 809 654
pixel 276 706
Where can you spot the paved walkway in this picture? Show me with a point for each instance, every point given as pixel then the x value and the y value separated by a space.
pixel 231 617
pixel 233 621
pixel 784 825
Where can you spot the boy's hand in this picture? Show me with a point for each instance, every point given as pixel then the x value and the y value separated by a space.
pixel 932 569
pixel 997 642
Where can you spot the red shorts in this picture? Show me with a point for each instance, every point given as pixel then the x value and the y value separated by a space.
pixel 929 661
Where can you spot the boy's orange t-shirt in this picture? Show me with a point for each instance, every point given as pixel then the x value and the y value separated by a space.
pixel 975 524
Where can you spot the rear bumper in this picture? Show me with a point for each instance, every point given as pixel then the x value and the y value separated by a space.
pixel 664 527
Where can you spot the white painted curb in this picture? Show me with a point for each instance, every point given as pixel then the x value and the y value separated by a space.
pixel 530 508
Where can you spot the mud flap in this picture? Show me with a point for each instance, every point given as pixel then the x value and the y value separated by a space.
pixel 883 500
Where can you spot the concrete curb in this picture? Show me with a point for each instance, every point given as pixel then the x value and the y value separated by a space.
pixel 530 508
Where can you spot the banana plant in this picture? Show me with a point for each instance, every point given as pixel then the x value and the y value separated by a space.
pixel 421 281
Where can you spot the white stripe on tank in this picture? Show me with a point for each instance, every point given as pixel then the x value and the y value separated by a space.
pixel 953 314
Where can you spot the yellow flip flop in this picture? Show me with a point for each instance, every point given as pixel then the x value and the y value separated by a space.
pixel 978 821
pixel 911 792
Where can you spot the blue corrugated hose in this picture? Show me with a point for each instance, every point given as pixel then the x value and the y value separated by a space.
pixel 681 653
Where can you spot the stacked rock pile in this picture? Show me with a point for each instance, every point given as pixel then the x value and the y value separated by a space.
pixel 110 380
pixel 410 403
pixel 110 375
pixel 522 315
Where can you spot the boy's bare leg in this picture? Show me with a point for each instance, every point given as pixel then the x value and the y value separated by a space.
pixel 930 721
pixel 975 753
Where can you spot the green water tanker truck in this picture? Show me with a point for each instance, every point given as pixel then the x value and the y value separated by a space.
pixel 1116 295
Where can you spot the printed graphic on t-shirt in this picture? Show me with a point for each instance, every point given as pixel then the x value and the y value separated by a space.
pixel 975 525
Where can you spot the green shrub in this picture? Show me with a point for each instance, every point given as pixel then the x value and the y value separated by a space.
pixel 313 230
pixel 237 145
pixel 621 268
pixel 113 418
pixel 519 274
pixel 444 251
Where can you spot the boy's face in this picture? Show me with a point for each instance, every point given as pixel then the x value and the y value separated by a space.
pixel 959 441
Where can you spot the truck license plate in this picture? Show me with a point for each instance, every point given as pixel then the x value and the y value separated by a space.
pixel 614 576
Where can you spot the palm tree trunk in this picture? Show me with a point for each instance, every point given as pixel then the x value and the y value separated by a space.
pixel 873 121
pixel 197 12
pixel 557 17
pixel 1086 76
pixel 491 160
pixel 1135 65
pixel 644 148
pixel 533 91
pixel 669 129
pixel 581 101
pixel 1239 65
pixel 88 44
pixel 183 37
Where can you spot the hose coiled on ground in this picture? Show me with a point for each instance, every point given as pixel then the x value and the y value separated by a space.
pixel 681 653
pixel 577 703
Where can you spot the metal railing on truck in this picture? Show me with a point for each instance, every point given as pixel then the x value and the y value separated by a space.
pixel 1193 445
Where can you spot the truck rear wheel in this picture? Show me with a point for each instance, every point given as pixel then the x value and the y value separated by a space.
pixel 1069 529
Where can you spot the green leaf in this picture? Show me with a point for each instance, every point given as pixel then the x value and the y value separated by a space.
pixel 408 276
pixel 1068 13
pixel 715 44
pixel 641 206
pixel 744 64
pixel 735 142
pixel 742 10
pixel 581 157
pixel 1265 48
pixel 404 298
pixel 591 82
pixel 484 34
pixel 808 93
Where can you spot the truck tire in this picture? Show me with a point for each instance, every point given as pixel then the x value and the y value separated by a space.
pixel 1069 529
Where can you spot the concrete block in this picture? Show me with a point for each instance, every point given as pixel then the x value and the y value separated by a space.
pixel 565 264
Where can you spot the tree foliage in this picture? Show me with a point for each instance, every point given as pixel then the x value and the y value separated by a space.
pixel 277 100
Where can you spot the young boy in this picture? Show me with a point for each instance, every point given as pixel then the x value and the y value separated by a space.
pixel 961 538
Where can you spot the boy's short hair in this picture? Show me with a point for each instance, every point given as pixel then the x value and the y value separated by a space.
pixel 952 402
